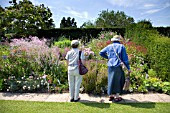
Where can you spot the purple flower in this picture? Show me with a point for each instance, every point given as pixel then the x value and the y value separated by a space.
pixel 4 57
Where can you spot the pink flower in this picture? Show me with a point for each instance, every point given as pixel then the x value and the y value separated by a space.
pixel 44 76
pixel 49 81
pixel 102 35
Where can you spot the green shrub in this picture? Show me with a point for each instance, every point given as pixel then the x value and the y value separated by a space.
pixel 63 43
pixel 25 84
pixel 4 53
pixel 159 56
pixel 1 84
pixel 95 81
pixel 158 49
pixel 152 73
pixel 155 84
pixel 166 87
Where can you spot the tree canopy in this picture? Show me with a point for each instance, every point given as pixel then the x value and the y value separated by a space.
pixel 88 24
pixel 24 18
pixel 68 23
pixel 111 19
pixel 145 23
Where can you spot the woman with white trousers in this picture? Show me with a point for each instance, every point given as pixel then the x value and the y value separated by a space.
pixel 74 78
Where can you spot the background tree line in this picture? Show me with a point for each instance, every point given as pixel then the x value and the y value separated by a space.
pixel 24 18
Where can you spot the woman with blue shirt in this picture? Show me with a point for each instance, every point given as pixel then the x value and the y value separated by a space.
pixel 116 76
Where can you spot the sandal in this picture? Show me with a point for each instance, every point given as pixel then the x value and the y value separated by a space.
pixel 118 99
pixel 111 98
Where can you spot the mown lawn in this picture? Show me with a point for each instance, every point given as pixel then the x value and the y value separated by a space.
pixel 9 106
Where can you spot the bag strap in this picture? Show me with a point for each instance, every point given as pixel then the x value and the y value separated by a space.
pixel 117 54
pixel 118 57
pixel 79 55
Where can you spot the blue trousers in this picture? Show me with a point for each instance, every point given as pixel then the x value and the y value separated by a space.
pixel 116 80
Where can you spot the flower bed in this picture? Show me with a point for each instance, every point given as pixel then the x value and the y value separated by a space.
pixel 29 65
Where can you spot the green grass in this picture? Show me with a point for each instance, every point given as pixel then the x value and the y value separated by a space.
pixel 9 106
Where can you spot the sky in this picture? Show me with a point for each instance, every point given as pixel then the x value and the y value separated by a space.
pixel 157 11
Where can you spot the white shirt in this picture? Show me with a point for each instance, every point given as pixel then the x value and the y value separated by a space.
pixel 73 56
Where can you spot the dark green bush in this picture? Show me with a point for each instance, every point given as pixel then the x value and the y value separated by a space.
pixel 158 47
pixel 159 56
pixel 1 84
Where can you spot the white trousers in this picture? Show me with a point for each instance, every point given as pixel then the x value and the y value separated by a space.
pixel 74 80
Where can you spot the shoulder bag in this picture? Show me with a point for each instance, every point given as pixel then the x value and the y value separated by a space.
pixel 82 69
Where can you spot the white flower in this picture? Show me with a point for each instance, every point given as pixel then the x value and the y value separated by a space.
pixel 24 87
pixel 38 86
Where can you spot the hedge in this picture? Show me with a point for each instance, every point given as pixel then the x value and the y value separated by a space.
pixel 77 33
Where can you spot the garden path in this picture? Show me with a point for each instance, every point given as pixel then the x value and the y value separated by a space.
pixel 64 97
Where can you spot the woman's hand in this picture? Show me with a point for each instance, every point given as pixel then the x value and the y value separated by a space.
pixel 129 71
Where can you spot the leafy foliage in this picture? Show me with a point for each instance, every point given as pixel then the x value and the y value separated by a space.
pixel 95 81
pixel 63 44
pixel 145 24
pixel 88 24
pixel 32 57
pixel 25 19
pixel 68 23
pixel 141 75
pixel 158 48
pixel 110 19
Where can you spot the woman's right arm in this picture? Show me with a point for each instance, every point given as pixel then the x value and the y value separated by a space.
pixel 84 62
pixel 103 53
pixel 83 58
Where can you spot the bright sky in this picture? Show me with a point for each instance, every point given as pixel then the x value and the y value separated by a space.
pixel 157 11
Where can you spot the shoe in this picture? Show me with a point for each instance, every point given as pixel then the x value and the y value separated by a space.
pixel 72 100
pixel 77 100
pixel 111 98
pixel 118 99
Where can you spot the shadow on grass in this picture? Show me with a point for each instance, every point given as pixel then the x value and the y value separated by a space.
pixel 126 102
pixel 136 104
pixel 95 104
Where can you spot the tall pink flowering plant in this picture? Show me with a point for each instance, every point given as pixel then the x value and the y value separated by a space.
pixel 44 58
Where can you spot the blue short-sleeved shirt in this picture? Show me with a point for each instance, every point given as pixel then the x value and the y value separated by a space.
pixel 108 53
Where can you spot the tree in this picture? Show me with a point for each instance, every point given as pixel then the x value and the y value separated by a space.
pixel 2 23
pixel 25 19
pixel 145 24
pixel 113 19
pixel 88 24
pixel 110 19
pixel 69 23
